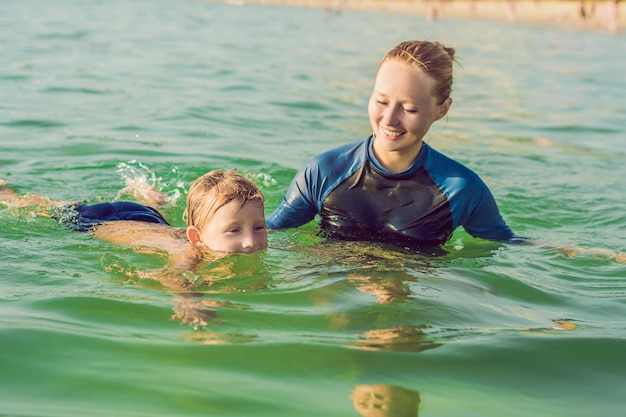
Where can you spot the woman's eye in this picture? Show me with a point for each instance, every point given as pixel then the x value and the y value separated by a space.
pixel 410 110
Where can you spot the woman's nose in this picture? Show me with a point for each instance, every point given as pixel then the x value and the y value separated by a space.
pixel 389 115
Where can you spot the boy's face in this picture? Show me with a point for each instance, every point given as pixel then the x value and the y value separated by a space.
pixel 236 228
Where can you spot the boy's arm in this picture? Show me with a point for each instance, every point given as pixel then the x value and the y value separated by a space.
pixel 10 198
pixel 143 234
pixel 144 193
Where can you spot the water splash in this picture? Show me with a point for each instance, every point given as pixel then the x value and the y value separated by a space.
pixel 143 184
pixel 261 178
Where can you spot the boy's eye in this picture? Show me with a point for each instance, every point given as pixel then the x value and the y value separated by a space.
pixel 260 227
pixel 233 230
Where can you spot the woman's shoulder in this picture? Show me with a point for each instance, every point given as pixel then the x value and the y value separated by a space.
pixel 324 171
pixel 438 162
pixel 344 151
pixel 450 174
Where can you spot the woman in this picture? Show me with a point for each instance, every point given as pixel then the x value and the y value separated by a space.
pixel 392 187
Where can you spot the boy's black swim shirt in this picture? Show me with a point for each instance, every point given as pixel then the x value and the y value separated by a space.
pixel 84 217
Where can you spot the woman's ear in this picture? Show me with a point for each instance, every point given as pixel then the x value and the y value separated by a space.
pixel 443 110
pixel 193 234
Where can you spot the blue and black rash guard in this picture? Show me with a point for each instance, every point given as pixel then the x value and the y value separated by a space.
pixel 358 199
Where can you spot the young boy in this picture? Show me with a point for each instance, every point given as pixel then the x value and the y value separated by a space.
pixel 224 213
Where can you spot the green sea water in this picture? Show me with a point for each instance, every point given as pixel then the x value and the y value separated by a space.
pixel 93 93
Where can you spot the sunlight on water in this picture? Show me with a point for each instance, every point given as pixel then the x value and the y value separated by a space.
pixel 101 99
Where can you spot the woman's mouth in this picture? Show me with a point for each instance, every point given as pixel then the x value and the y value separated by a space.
pixel 392 134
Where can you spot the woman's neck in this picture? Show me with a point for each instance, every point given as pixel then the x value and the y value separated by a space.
pixel 396 161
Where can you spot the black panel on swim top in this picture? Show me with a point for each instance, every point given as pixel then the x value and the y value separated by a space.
pixel 371 206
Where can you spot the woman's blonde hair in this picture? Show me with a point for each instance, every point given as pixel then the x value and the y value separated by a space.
pixel 214 190
pixel 432 58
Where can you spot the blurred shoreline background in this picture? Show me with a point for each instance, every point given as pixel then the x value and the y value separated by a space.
pixel 600 15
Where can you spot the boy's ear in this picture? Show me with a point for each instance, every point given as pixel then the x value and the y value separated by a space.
pixel 443 110
pixel 193 234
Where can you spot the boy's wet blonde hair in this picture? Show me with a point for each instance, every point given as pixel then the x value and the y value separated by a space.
pixel 432 58
pixel 214 190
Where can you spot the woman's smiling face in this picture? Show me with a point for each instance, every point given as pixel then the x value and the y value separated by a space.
pixel 401 109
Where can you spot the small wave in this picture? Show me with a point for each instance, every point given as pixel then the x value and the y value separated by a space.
pixel 33 123
pixel 83 90
pixel 307 105
pixel 80 34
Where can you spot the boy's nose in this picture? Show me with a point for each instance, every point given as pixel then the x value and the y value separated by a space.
pixel 249 241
